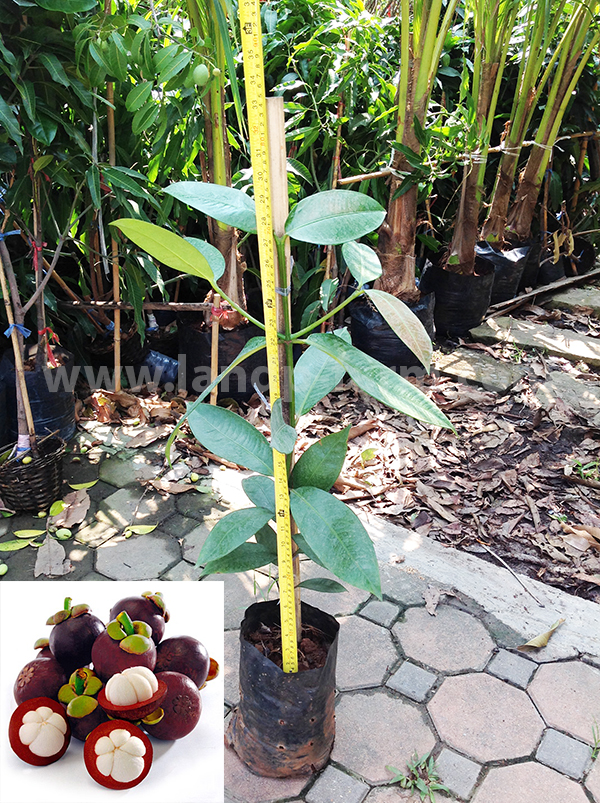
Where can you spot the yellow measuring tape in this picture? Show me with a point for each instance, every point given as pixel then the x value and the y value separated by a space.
pixel 251 34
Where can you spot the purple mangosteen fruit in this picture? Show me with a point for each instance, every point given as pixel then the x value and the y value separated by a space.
pixel 124 643
pixel 78 696
pixel 73 635
pixel 186 655
pixel 41 677
pixel 181 708
pixel 42 645
pixel 149 608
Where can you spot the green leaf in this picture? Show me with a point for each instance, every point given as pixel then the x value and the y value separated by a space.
pixel 57 507
pixel 296 167
pixel 320 465
pixel 28 533
pixel 212 255
pixel 334 217
pixel 80 486
pixel 327 292
pixel 260 491
pixel 283 437
pixel 230 436
pixel 363 263
pixel 175 65
pixel 93 181
pixel 168 248
pixel 67 6
pixel 267 537
pixel 144 117
pixel 230 206
pixel 42 162
pixel 54 67
pixel 231 531
pixel 27 92
pixel 380 381
pixel 323 584
pixel 337 536
pixel 315 375
pixel 12 546
pixel 243 559
pixel 10 123
pixel 404 323
pixel 142 529
pixel 304 547
pixel 138 96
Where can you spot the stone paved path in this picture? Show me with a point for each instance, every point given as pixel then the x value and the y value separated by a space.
pixel 504 727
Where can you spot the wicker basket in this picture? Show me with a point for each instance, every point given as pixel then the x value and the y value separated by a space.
pixel 37 485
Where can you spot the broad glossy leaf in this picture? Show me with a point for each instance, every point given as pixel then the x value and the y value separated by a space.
pixel 226 204
pixel 243 559
pixel 380 381
pixel 260 491
pixel 267 537
pixel 231 531
pixel 304 547
pixel 12 546
pixel 67 6
pixel 138 96
pixel 337 537
pixel 10 122
pixel 54 67
pixel 404 323
pixel 363 263
pixel 29 533
pixel 320 465
pixel 322 584
pixel 283 437
pixel 334 217
pixel 315 375
pixel 167 247
pixel 230 436
pixel 212 255
pixel 144 117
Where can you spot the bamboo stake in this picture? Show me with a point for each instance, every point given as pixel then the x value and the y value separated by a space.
pixel 280 211
pixel 112 160
pixel 214 347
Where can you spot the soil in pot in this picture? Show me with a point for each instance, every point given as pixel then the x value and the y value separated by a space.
pixel 50 395
pixel 460 300
pixel 508 268
pixel 371 334
pixel 194 358
pixel 36 485
pixel 284 724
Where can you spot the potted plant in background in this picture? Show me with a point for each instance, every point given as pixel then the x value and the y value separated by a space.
pixel 293 733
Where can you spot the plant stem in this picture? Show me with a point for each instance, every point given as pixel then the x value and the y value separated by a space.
pixel 332 312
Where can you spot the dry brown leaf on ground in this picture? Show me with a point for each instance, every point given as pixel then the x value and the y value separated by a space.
pixel 167 486
pixel 542 640
pixel 588 578
pixel 432 596
pixel 76 507
pixel 148 435
pixel 581 537
pixel 360 429
pixel 51 559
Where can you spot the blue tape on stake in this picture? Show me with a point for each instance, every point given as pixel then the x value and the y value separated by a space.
pixel 20 328
pixel 4 234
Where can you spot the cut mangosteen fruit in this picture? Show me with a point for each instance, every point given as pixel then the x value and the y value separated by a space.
pixel 41 677
pixel 118 754
pixel 39 731
pixel 181 707
pixel 123 644
pixel 79 698
pixel 186 655
pixel 132 694
pixel 149 608
pixel 73 635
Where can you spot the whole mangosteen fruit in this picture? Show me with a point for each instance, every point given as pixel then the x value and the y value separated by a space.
pixel 73 635
pixel 78 696
pixel 186 655
pixel 42 645
pixel 123 644
pixel 181 707
pixel 149 608
pixel 41 677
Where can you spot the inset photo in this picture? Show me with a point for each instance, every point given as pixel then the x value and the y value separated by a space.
pixel 111 686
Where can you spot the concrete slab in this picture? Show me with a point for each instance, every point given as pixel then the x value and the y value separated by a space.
pixel 593 781
pixel 182 571
pixel 128 469
pixel 587 297
pixel 457 773
pixel 381 612
pixel 561 342
pixel 119 508
pixel 374 729
pixel 528 781
pixel 568 697
pixel 514 668
pixel 580 396
pixel 562 753
pixel 243 786
pixel 412 681
pixel 241 590
pixel 335 786
pixel 141 557
pixel 478 368
pixel 377 654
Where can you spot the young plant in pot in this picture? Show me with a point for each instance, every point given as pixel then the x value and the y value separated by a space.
pixel 284 725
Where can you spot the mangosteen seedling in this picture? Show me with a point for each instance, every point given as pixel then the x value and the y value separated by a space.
pixel 123 644
pixel 149 608
pixel 186 655
pixel 181 708
pixel 118 754
pixel 41 677
pixel 79 698
pixel 132 694
pixel 75 631
pixel 39 732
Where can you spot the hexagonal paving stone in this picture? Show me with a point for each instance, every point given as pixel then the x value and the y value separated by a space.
pixel 334 604
pixel 485 718
pixel 568 697
pixel 335 786
pixel 242 590
pixel 119 508
pixel 365 653
pixel 529 782
pixel 124 469
pixel 141 557
pixel 242 785
pixel 393 794
pixel 450 641
pixel 182 571
pixel 373 730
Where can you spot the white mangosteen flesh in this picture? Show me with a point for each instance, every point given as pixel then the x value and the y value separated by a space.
pixel 43 731
pixel 120 756
pixel 133 685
